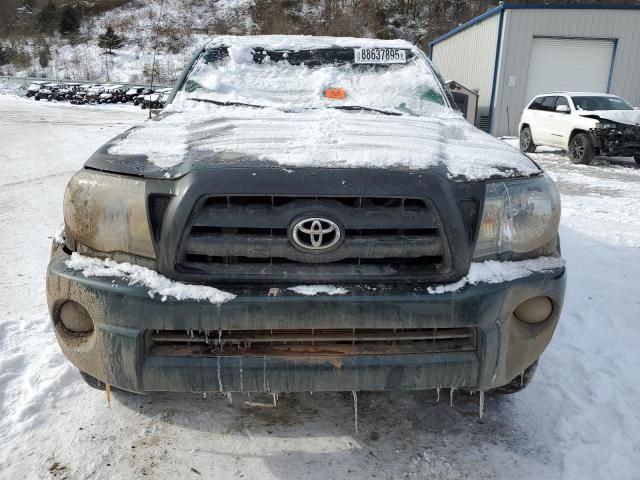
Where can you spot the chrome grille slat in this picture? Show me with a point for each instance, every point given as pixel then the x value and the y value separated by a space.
pixel 262 246
pixel 279 217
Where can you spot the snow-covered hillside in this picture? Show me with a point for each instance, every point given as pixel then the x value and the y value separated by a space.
pixel 578 420
pixel 181 25
pixel 177 27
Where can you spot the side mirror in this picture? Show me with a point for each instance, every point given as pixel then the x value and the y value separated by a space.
pixel 562 109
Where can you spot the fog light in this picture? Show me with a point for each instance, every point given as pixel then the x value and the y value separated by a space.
pixel 534 310
pixel 75 318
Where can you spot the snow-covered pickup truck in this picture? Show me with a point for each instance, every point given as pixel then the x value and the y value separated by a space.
pixel 584 124
pixel 307 214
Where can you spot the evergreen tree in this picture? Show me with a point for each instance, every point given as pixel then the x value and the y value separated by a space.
pixel 69 21
pixel 28 5
pixel 110 40
pixel 18 55
pixel 5 55
pixel 150 71
pixel 48 17
pixel 44 56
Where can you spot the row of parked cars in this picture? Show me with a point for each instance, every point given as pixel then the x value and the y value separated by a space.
pixel 91 93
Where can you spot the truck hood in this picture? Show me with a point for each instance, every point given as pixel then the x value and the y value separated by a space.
pixel 177 143
pixel 630 117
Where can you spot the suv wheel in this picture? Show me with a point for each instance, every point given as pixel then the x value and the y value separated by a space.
pixel 520 382
pixel 581 149
pixel 526 141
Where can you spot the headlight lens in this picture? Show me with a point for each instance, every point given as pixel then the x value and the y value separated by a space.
pixel 107 213
pixel 520 219
pixel 606 125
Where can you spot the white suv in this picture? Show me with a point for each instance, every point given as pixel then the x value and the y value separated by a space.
pixel 583 124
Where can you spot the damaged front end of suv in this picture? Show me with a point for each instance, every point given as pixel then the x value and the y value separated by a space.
pixel 617 139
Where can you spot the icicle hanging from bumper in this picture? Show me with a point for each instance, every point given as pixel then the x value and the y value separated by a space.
pixel 355 409
pixel 107 389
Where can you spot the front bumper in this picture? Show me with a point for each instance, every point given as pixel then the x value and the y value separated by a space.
pixel 618 140
pixel 119 350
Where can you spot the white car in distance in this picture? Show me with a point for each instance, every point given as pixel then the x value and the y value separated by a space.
pixel 584 124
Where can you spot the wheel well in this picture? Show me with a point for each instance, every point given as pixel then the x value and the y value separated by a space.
pixel 524 125
pixel 575 132
pixel 594 141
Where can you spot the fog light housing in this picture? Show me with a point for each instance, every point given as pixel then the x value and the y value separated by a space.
pixel 75 318
pixel 534 310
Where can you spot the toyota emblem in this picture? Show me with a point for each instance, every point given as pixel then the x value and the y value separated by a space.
pixel 315 234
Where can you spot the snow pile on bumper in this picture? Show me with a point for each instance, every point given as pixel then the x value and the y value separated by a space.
pixel 156 283
pixel 493 271
pixel 312 290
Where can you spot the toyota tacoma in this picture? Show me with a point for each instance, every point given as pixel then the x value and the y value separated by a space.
pixel 307 214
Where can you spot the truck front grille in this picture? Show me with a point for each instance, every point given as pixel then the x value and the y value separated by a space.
pixel 245 238
pixel 303 342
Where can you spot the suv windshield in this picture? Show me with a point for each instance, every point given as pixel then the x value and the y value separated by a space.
pixel 591 103
pixel 387 80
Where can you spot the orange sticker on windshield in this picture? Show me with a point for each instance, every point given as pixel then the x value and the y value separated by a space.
pixel 335 93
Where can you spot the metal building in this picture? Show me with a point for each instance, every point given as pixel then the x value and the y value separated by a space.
pixel 516 51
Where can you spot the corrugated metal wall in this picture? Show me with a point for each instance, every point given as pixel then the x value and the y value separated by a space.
pixel 520 26
pixel 468 58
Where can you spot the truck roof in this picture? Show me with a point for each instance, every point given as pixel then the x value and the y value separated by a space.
pixel 579 94
pixel 303 42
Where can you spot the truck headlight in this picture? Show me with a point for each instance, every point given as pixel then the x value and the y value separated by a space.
pixel 520 220
pixel 107 213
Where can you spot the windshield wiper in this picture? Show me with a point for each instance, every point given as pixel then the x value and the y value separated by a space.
pixel 366 109
pixel 339 107
pixel 225 104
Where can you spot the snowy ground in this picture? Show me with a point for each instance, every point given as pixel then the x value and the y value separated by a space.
pixel 580 419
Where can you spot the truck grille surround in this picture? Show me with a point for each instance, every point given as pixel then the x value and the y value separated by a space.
pixel 249 237
pixel 411 226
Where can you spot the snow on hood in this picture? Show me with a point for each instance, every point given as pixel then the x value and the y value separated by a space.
pixel 297 126
pixel 320 139
pixel 631 117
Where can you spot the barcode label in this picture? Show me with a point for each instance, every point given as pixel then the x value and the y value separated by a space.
pixel 379 55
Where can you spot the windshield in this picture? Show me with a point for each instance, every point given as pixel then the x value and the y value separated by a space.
pixel 386 80
pixel 593 103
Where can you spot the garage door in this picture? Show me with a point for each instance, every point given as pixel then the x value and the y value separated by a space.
pixel 568 64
